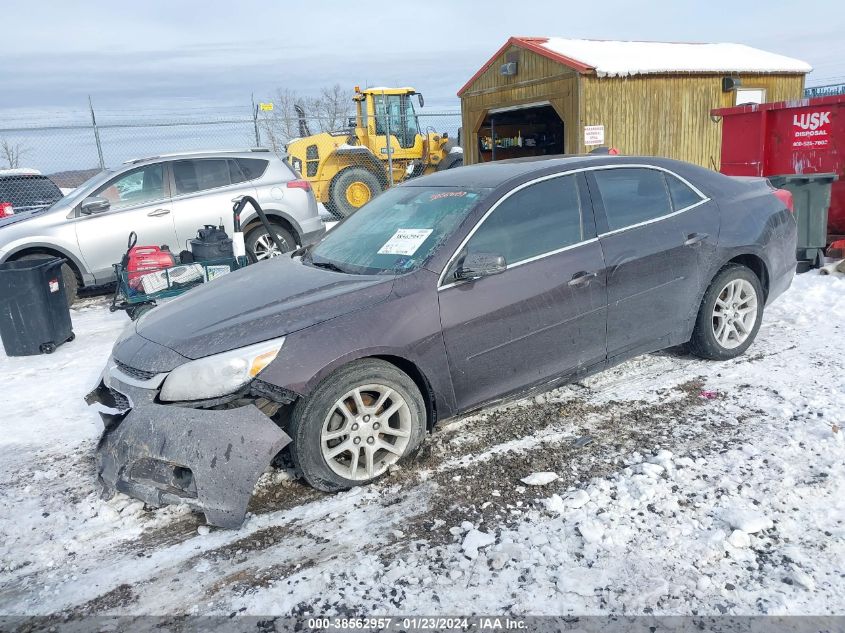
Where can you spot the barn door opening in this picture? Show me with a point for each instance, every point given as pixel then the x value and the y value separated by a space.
pixel 534 130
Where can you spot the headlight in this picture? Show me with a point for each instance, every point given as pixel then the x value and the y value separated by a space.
pixel 219 375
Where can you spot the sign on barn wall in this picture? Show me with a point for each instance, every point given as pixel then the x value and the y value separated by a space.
pixel 593 135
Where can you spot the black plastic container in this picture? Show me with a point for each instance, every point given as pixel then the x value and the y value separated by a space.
pixel 211 242
pixel 34 315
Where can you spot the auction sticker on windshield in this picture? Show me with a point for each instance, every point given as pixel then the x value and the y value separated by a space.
pixel 405 242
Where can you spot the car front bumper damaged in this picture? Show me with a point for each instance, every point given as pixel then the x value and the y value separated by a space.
pixel 165 454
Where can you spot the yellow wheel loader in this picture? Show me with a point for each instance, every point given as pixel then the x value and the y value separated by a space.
pixel 348 168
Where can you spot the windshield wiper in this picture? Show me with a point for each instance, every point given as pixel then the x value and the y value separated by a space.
pixel 302 250
pixel 327 266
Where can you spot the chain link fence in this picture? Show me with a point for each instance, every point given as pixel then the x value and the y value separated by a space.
pixel 45 155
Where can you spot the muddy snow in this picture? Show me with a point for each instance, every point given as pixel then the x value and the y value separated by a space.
pixel 667 485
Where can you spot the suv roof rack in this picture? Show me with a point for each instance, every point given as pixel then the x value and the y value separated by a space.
pixel 198 152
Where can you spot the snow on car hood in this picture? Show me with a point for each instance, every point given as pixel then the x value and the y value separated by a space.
pixel 266 300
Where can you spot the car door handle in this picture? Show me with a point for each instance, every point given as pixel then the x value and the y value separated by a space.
pixel 695 238
pixel 158 213
pixel 582 278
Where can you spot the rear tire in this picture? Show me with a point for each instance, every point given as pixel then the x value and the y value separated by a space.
pixel 351 189
pixel 451 161
pixel 730 314
pixel 333 409
pixel 259 245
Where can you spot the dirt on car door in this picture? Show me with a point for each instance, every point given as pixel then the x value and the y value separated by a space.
pixel 140 202
pixel 545 315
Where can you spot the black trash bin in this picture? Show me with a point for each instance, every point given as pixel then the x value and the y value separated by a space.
pixel 34 315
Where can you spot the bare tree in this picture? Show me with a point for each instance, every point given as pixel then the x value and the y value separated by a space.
pixel 333 107
pixel 324 113
pixel 11 153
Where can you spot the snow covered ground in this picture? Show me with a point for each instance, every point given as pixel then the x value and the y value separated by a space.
pixel 679 486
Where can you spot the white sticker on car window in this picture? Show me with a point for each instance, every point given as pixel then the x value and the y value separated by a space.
pixel 405 242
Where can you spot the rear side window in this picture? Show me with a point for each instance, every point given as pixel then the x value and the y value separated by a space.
pixel 199 175
pixel 541 218
pixel 252 167
pixel 632 195
pixel 682 195
pixel 26 191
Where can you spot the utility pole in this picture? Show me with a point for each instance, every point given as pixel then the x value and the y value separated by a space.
pixel 255 121
pixel 96 134
pixel 387 138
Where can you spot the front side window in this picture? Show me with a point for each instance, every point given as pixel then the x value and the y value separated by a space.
pixel 397 113
pixel 198 175
pixel 139 186
pixel 539 219
pixel 632 195
pixel 410 124
pixel 397 232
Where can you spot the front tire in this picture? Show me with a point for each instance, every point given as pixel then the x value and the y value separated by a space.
pixel 68 276
pixel 351 189
pixel 259 245
pixel 730 314
pixel 358 422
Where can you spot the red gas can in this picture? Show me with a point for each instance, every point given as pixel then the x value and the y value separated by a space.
pixel 147 259
pixel 806 136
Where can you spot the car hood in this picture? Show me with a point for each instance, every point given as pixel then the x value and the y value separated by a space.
pixel 267 300
pixel 21 217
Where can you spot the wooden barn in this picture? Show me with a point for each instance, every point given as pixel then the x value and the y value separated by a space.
pixel 548 95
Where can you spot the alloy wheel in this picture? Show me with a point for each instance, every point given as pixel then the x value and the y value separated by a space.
pixel 735 313
pixel 265 247
pixel 365 431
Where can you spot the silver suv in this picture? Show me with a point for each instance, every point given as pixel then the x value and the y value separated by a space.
pixel 164 199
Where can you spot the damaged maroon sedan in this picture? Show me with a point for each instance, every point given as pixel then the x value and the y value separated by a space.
pixel 444 294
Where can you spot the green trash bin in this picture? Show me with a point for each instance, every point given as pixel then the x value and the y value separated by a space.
pixel 811 195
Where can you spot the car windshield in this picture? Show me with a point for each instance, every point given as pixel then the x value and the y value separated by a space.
pixel 396 232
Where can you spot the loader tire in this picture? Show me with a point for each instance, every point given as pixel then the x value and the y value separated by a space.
pixel 351 189
pixel 451 161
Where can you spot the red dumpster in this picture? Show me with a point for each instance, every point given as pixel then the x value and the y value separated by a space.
pixel 806 136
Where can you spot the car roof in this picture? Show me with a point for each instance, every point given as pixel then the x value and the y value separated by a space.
pixel 257 152
pixel 20 171
pixel 494 174
pixel 23 177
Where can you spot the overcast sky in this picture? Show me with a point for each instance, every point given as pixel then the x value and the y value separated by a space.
pixel 131 55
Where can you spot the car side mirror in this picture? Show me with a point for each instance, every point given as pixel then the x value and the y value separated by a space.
pixel 478 265
pixel 420 100
pixel 94 204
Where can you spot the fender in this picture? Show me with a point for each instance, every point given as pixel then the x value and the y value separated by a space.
pixel 43 243
pixel 440 392
pixel 365 155
pixel 252 216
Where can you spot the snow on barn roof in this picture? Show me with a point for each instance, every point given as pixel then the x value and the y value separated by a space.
pixel 619 59
pixel 609 58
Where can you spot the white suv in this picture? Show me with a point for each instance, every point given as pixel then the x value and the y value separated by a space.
pixel 164 199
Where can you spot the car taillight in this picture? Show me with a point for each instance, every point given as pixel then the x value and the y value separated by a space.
pixel 299 184
pixel 786 197
pixel 6 209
